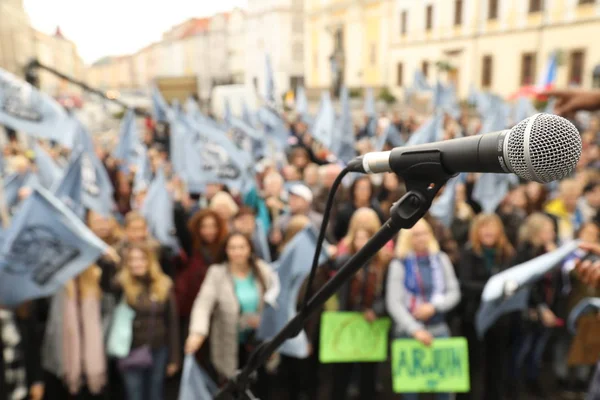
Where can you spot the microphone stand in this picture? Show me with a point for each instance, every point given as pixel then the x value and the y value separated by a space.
pixel 424 176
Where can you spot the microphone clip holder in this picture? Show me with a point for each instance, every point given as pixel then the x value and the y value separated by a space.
pixel 423 179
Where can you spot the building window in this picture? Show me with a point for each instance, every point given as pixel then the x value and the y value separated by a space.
pixel 399 74
pixel 425 68
pixel 527 69
pixel 587 1
pixel 486 71
pixel 429 17
pixel 403 22
pixel 492 9
pixel 535 6
pixel 458 6
pixel 576 67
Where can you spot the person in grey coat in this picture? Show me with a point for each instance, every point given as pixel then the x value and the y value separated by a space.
pixel 421 287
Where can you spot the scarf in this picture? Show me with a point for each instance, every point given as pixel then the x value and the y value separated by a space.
pixel 413 281
pixel 14 363
pixel 83 347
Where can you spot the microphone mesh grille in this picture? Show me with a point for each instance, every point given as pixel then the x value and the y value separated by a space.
pixel 554 148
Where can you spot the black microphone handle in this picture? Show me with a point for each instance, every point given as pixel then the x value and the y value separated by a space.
pixel 480 153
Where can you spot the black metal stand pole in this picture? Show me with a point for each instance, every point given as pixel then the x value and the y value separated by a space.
pixel 423 179
pixel 34 64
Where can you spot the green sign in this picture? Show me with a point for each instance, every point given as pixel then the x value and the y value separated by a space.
pixel 442 367
pixel 348 337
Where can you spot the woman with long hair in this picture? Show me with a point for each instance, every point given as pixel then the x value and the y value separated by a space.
pixel 487 253
pixel 537 236
pixel 73 350
pixel 229 306
pixel 202 239
pixel 362 194
pixel 364 294
pixel 149 292
pixel 421 287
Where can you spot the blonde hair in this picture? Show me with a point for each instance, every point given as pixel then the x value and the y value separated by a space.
pixel 160 283
pixel 224 198
pixel 88 283
pixel 529 231
pixel 404 246
pixel 363 218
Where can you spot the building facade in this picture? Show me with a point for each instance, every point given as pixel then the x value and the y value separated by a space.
pixel 347 42
pixel 16 37
pixel 499 45
pixel 276 28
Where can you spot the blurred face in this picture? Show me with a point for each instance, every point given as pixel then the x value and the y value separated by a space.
pixel 518 198
pixel 155 159
pixel 212 189
pixel 136 231
pixel 570 199
pixel 245 224
pixel 390 182
pixel 300 160
pixel 124 187
pixel 101 226
pixel 489 234
pixel 137 262
pixel 362 192
pixel 208 229
pixel 311 176
pixel 546 234
pixel 223 210
pixel 420 238
pixel 460 194
pixel 273 186
pixel 298 205
pixel 360 239
pixel 593 197
pixel 238 250
pixel 291 173
pixel 590 233
pixel 534 191
pixel 330 174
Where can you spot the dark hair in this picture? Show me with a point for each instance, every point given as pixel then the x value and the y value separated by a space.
pixel 245 210
pixel 194 228
pixel 590 187
pixel 355 183
pixel 252 261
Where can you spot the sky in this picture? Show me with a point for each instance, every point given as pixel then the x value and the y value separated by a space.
pixel 114 27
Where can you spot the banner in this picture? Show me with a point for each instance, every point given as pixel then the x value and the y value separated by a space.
pixel 441 367
pixel 24 108
pixel 349 337
pixel 45 246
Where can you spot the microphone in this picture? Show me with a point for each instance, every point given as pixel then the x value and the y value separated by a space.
pixel 541 148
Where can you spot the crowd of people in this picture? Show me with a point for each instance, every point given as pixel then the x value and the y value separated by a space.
pixel 207 299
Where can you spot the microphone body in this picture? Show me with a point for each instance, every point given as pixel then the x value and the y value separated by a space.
pixel 541 148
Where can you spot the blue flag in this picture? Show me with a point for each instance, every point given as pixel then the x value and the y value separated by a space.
pixel 274 127
pixel 390 135
pixel 490 189
pixel 69 189
pixel 260 242
pixel 129 147
pixel 270 96
pixel 324 125
pixel 143 172
pixel 443 207
pixel 97 186
pixel 523 109
pixel 24 108
pixel 445 99
pixel 494 113
pixel 431 131
pixel 45 246
pixel 12 184
pixel 158 212
pixel 509 290
pixel 370 110
pixel 160 108
pixel 301 102
pixel 344 138
pixel 47 170
pixel 195 382
pixel 420 83
pixel 292 268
